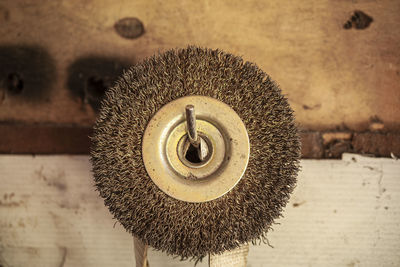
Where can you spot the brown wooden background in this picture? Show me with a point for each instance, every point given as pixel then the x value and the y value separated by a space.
pixel 344 84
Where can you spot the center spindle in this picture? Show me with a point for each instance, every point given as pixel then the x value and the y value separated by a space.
pixel 195 148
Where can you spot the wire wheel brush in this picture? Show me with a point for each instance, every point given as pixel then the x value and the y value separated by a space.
pixel 195 152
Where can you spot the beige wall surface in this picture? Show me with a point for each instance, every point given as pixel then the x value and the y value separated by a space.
pixel 333 77
pixel 342 213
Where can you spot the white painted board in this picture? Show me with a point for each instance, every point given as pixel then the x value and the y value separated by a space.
pixel 342 213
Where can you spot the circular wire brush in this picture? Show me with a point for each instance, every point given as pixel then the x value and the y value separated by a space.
pixel 195 152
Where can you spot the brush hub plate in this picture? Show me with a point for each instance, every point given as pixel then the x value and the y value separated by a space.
pixel 222 131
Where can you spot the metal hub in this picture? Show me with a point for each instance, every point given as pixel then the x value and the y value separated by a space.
pixel 195 148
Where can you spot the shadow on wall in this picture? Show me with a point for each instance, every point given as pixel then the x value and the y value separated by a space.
pixel 89 77
pixel 26 73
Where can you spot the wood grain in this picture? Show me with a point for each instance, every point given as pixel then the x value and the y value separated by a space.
pixel 332 76
pixel 342 213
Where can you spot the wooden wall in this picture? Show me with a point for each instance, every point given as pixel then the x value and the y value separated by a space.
pixel 334 77
pixel 342 213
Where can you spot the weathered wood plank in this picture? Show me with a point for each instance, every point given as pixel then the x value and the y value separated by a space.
pixel 51 139
pixel 343 213
pixel 332 76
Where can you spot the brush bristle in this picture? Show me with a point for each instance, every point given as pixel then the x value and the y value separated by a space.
pixel 192 230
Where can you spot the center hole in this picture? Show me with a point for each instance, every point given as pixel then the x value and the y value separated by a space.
pixel 195 155
pixel 192 154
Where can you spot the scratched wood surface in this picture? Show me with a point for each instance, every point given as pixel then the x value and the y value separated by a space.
pixel 343 213
pixel 333 77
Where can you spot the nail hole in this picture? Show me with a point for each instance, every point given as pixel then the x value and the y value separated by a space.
pixel 95 87
pixel 15 84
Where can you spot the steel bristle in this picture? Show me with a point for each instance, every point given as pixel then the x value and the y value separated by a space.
pixel 192 230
